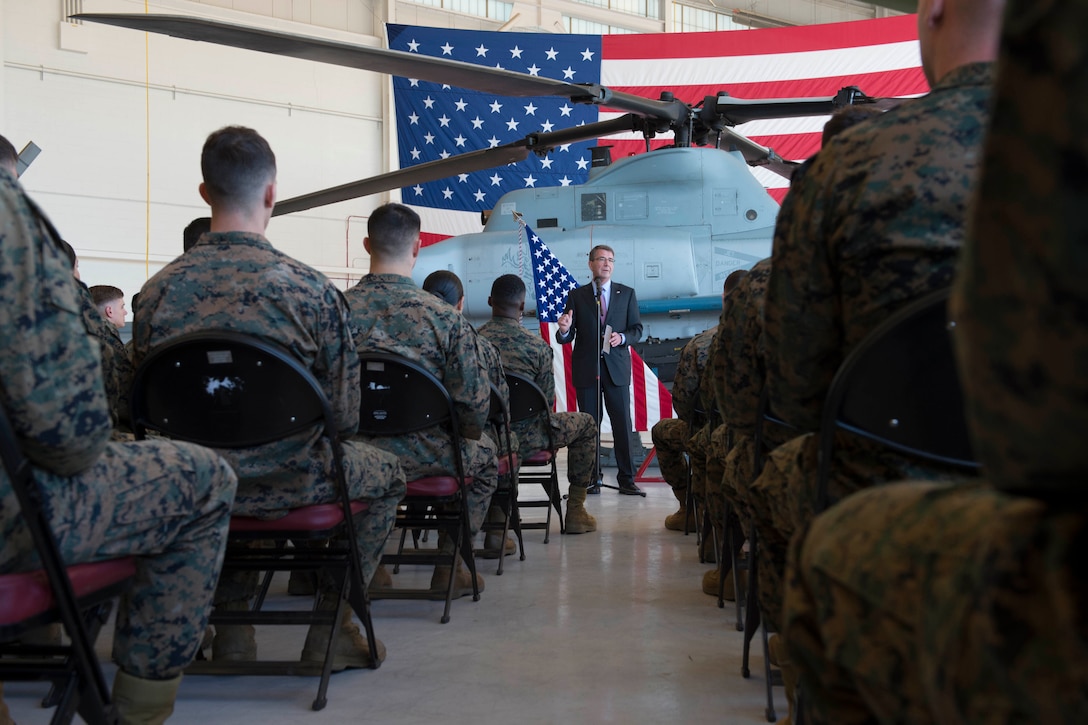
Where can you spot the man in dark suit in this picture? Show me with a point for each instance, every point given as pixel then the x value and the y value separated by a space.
pixel 592 310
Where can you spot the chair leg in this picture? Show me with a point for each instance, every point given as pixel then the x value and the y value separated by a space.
pixel 326 670
pixel 515 520
pixel 751 620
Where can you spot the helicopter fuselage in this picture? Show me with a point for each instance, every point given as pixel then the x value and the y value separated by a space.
pixel 679 219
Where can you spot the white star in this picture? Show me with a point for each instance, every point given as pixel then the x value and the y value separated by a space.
pixel 428 102
pixel 548 126
pixel 479 196
pixel 415 154
pixel 568 74
pixel 552 53
pixel 587 54
pixel 477 123
pixel 499 67
pixel 428 137
pixel 447 49
pixel 533 70
pixel 460 105
pixel 530 181
pixel 492 142
pixel 512 125
pixel 515 52
pixel 418 190
pixel 460 140
pixel 564 147
pixel 447 193
pixel 445 86
pixel 462 178
pixel 413 46
pixel 481 51
pixel 530 110
pixel 444 121
pixel 413 119
pixel 445 154
pixel 565 109
pixel 496 180
pixel 413 83
pixel 496 106
pixel 546 163
pixel 582 164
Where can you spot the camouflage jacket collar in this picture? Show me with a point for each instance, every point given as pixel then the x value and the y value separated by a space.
pixel 504 321
pixel 240 238
pixel 388 279
pixel 971 74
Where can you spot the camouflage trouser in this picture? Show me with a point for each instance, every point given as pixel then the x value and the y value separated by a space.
pixel 705 470
pixel 372 475
pixel 577 432
pixel 919 603
pixel 783 498
pixel 737 472
pixel 169 505
pixel 478 458
pixel 670 437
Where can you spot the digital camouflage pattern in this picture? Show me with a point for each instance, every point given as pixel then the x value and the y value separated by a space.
pixel 857 242
pixel 876 222
pixel 166 503
pixel 672 436
pixel 527 354
pixel 238 281
pixel 117 368
pixel 496 375
pixel 389 313
pixel 966 604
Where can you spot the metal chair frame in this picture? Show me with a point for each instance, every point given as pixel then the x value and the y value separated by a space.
pixel 527 401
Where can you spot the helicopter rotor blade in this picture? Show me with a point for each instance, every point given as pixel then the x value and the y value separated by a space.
pixel 395 62
pixel 755 154
pixel 480 160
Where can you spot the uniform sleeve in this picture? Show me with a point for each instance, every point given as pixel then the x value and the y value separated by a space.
pixel 685 384
pixel 341 361
pixel 545 373
pixel 51 369
pixel 803 337
pixel 466 380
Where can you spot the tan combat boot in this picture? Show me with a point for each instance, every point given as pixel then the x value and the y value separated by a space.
pixel 676 521
pixel 351 650
pixel 234 642
pixel 462 583
pixel 578 520
pixel 144 702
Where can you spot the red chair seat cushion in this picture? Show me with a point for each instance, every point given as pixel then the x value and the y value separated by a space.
pixel 436 486
pixel 507 463
pixel 308 518
pixel 540 458
pixel 27 594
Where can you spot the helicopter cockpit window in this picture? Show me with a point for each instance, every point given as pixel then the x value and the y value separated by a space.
pixel 594 207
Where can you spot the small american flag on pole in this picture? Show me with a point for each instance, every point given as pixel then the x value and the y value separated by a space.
pixel 552 282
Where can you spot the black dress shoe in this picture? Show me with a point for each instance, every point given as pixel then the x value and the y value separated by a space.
pixel 631 489
pixel 594 487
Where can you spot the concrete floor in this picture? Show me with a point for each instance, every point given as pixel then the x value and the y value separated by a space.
pixel 608 627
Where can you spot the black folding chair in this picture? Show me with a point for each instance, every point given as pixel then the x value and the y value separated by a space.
pixel 79 596
pixel 527 401
pixel 230 390
pixel 900 388
pixel 506 494
pixel 399 396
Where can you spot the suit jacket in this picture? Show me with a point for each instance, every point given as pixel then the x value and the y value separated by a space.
pixel 622 316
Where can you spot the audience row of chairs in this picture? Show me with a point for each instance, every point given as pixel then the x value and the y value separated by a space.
pixel 229 390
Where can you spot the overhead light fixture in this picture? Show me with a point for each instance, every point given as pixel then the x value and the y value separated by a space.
pixel 755 20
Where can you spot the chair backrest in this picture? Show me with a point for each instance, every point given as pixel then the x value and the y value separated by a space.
pixel 900 388
pixel 526 398
pixel 400 396
pixel 226 389
pixel 21 475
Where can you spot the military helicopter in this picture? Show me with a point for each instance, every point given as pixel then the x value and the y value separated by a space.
pixel 680 218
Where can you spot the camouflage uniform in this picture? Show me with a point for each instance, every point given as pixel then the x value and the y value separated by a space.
pixel 166 503
pixel 672 436
pixel 492 362
pixel 389 313
pixel 117 368
pixel 237 281
pixel 737 373
pixel 526 354
pixel 966 604
pixel 876 222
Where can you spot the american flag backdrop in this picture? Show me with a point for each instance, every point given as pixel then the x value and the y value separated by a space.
pixel 650 401
pixel 880 56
